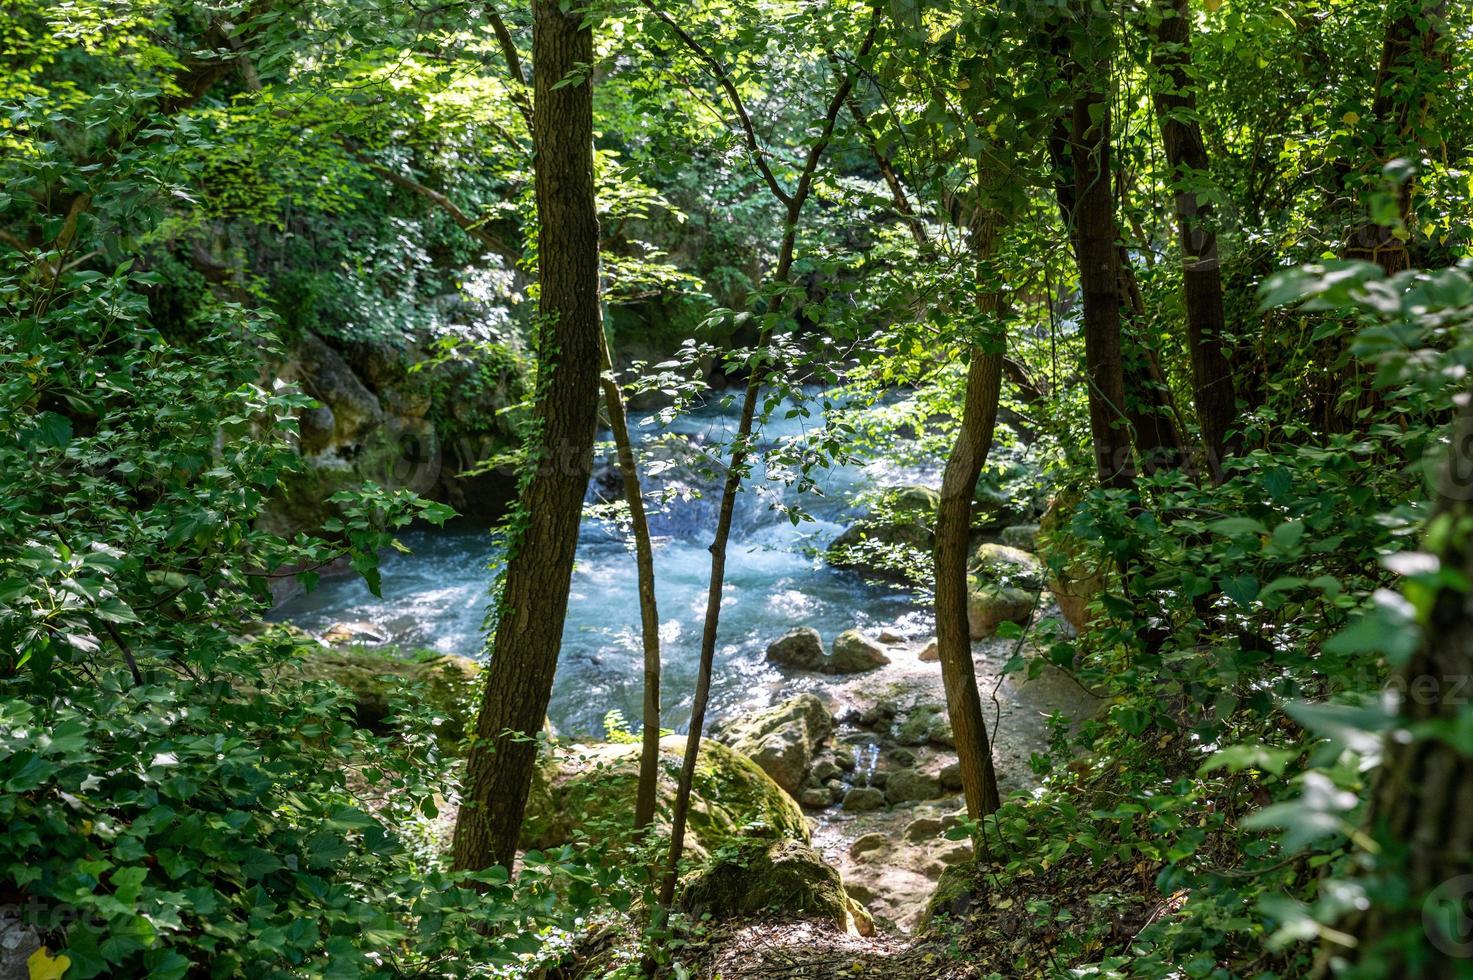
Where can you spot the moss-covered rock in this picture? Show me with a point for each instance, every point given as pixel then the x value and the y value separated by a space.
pixel 894 540
pixel 444 682
pixel 781 739
pixel 784 879
pixel 998 564
pixel 800 648
pixel 855 653
pixel 989 606
pixel 1003 585
pixel 591 789
pixel 1074 577
pixel 955 892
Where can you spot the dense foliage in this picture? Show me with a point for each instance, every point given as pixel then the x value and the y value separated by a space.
pixel 196 196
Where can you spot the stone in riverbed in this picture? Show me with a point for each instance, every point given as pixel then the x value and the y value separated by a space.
pixel 922 829
pixel 864 799
pixel 815 797
pixel 951 776
pixel 939 732
pixel 868 842
pixel 930 653
pixel 916 729
pixel 801 648
pixel 911 786
pixel 855 653
pixel 781 740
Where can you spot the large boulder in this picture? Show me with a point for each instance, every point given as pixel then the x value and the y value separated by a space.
pixel 592 789
pixel 781 739
pixel 894 540
pixel 989 606
pixel 1021 536
pixel 327 377
pixel 1003 588
pixel 374 678
pixel 998 564
pixel 911 786
pixel 782 878
pixel 855 653
pixel 800 648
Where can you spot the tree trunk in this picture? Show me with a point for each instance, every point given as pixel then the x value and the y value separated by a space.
pixel 1186 154
pixel 1096 253
pixel 1423 793
pixel 953 545
pixel 1408 75
pixel 534 599
pixel 649 615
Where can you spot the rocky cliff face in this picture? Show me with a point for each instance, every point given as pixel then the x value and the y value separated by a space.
pixel 399 417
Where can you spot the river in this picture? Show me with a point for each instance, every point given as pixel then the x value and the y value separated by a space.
pixel 436 596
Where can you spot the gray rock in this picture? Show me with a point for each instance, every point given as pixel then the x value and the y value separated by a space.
pixel 951 776
pixel 332 382
pixel 998 564
pixel 315 427
pixel 939 732
pixel 1021 536
pixel 922 829
pixel 903 758
pixel 844 759
pixel 855 653
pixel 801 648
pixel 815 797
pixel 835 789
pixel 989 606
pixel 910 786
pixel 868 842
pixel 891 637
pixel 781 739
pixel 864 799
pixel 916 729
pixel 930 653
pixel 955 852
pixel 825 769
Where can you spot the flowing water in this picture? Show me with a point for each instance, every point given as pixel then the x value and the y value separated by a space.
pixel 776 579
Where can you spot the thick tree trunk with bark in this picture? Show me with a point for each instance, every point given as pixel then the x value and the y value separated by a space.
pixel 534 598
pixel 1186 154
pixel 953 546
pixel 1095 247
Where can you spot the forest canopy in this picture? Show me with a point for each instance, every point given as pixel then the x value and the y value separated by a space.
pixel 736 488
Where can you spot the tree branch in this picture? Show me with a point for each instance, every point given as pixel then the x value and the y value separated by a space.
pixel 476 227
pixel 738 106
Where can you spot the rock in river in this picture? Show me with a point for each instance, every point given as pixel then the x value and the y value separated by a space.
pixel 854 653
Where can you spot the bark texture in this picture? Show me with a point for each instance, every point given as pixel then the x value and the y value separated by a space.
pixel 1424 789
pixel 953 545
pixel 649 613
pixel 1095 248
pixel 534 599
pixel 1186 154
